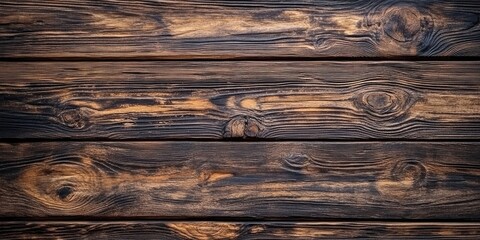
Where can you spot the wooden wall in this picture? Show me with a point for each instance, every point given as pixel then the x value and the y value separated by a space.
pixel 218 119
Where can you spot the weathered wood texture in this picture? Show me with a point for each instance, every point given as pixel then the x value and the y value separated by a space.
pixel 215 100
pixel 229 29
pixel 274 180
pixel 236 230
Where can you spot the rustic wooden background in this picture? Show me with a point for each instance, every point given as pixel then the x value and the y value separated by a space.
pixel 218 119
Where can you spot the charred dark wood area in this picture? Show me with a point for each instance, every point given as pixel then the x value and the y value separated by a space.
pixel 218 119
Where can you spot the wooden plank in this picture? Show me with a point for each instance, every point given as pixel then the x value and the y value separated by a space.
pixel 224 29
pixel 274 180
pixel 237 230
pixel 216 100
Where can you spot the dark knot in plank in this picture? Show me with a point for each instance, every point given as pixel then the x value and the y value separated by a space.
pixel 406 180
pixel 296 161
pixel 402 24
pixel 385 103
pixel 303 164
pixel 410 173
pixel 74 118
pixel 408 26
pixel 64 192
pixel 66 186
pixel 243 127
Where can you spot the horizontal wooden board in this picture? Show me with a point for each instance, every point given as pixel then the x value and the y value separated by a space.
pixel 217 29
pixel 216 100
pixel 274 180
pixel 237 230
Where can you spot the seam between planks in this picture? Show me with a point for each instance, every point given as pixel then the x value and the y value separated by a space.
pixel 243 59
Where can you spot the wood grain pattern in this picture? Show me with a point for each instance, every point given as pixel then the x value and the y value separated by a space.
pixel 263 100
pixel 237 230
pixel 274 180
pixel 230 29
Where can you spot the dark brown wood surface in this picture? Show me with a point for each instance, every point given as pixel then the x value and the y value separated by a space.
pixel 232 29
pixel 237 230
pixel 220 119
pixel 269 180
pixel 223 100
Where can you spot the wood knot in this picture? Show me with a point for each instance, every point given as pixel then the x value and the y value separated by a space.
pixel 243 127
pixel 386 103
pixel 300 164
pixel 409 174
pixel 405 180
pixel 64 191
pixel 61 186
pixel 380 102
pixel 406 24
pixel 73 118
pixel 297 161
pixel 402 24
